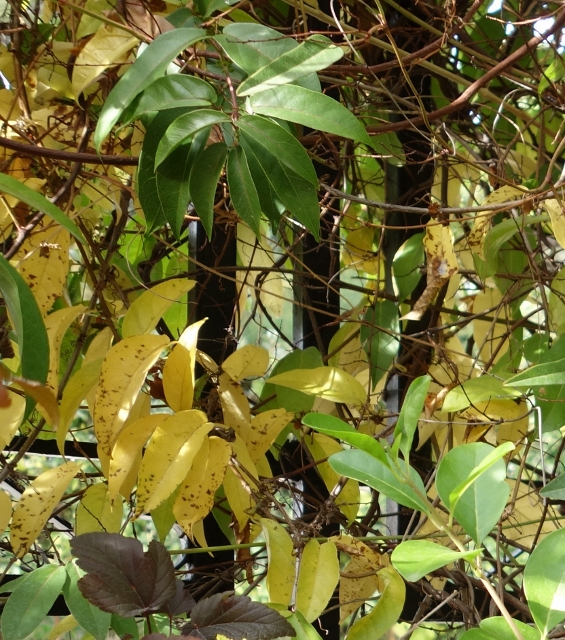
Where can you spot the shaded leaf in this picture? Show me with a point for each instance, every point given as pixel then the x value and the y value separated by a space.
pixel 379 332
pixel 204 179
pixel 90 618
pixel 412 407
pixel 243 192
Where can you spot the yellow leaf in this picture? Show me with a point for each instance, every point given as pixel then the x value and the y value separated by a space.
pixel 99 346
pixel 122 376
pixel 57 324
pixel 5 510
pixel 178 372
pixel 238 497
pixel 196 495
pixel 169 457
pixel 199 535
pixel 11 418
pixel 47 402
pixel 146 311
pixel 489 333
pixel 235 405
pixel 556 213
pixel 385 613
pixel 109 46
pixel 68 623
pixel 328 383
pixel 127 449
pixel 321 447
pixel 247 362
pixel 556 306
pixel 36 505
pixel 44 264
pixel 318 578
pixel 96 512
pixel 281 562
pixel 75 392
pixel 264 429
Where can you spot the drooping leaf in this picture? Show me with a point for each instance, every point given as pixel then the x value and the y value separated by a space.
pixel 243 192
pixel 90 618
pixel 406 265
pixel 120 577
pixel 318 578
pixel 36 505
pixel 31 601
pixel 204 179
pixel 5 509
pixel 265 427
pixel 379 337
pixel 151 64
pixel 311 109
pixel 280 561
pixel 544 582
pixel 236 617
pixel 410 413
pixel 414 559
pixel 11 419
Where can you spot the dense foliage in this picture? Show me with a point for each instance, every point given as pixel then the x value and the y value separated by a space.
pixel 282 279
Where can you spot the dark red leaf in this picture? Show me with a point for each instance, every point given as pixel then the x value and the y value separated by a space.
pixel 236 617
pixel 183 602
pixel 121 578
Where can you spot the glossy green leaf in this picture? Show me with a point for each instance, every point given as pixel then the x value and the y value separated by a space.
pixel 311 109
pixel 546 374
pixel 379 337
pixel 243 193
pixel 365 468
pixel 332 426
pixel 476 390
pixel 410 414
pixel 35 200
pixel 31 601
pixel 407 264
pixel 271 205
pixel 385 613
pixel 314 54
pixel 170 92
pixel 475 514
pixel 90 618
pixel 544 582
pixel 304 630
pixel 151 64
pixel 204 180
pixel 497 628
pixel 183 128
pixel 554 490
pixel 414 559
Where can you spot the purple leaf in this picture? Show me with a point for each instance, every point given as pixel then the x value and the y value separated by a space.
pixel 121 578
pixel 183 602
pixel 236 617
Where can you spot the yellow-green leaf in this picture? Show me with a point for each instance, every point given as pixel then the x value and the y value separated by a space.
pixel 146 311
pixel 5 509
pixel 96 512
pixel 57 324
pixel 318 578
pixel 66 624
pixel 11 418
pixel 37 504
pixel 247 362
pixel 122 376
pixel 281 562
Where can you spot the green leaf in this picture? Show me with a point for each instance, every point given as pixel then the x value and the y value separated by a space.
pixel 410 414
pixel 204 180
pixel 332 426
pixel 243 193
pixel 151 64
pixel 279 143
pixel 314 54
pixel 379 333
pixel 554 490
pixel 475 514
pixel 35 200
pixel 414 559
pixel 544 582
pixel 183 128
pixel 271 205
pixel 28 325
pixel 497 628
pixel 124 626
pixel 476 390
pixel 304 630
pixel 31 601
pixel 365 468
pixel 406 265
pixel 389 147
pixel 170 92
pixel 385 613
pixel 90 618
pixel 546 374
pixel 311 109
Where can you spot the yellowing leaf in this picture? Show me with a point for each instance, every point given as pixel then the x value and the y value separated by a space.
pixel 281 562
pixel 328 383
pixel 5 509
pixel 37 504
pixel 264 429
pixel 99 346
pixel 321 447
pixel 489 333
pixel 557 215
pixel 385 613
pixel 96 512
pixel 57 324
pixel 169 457
pixel 76 390
pixel 247 362
pixel 240 479
pixel 146 311
pixel 109 46
pixel 47 402
pixel 318 578
pixel 66 624
pixel 196 496
pixel 11 418
pixel 178 372
pixel 235 406
pixel 122 376
pixel 127 449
